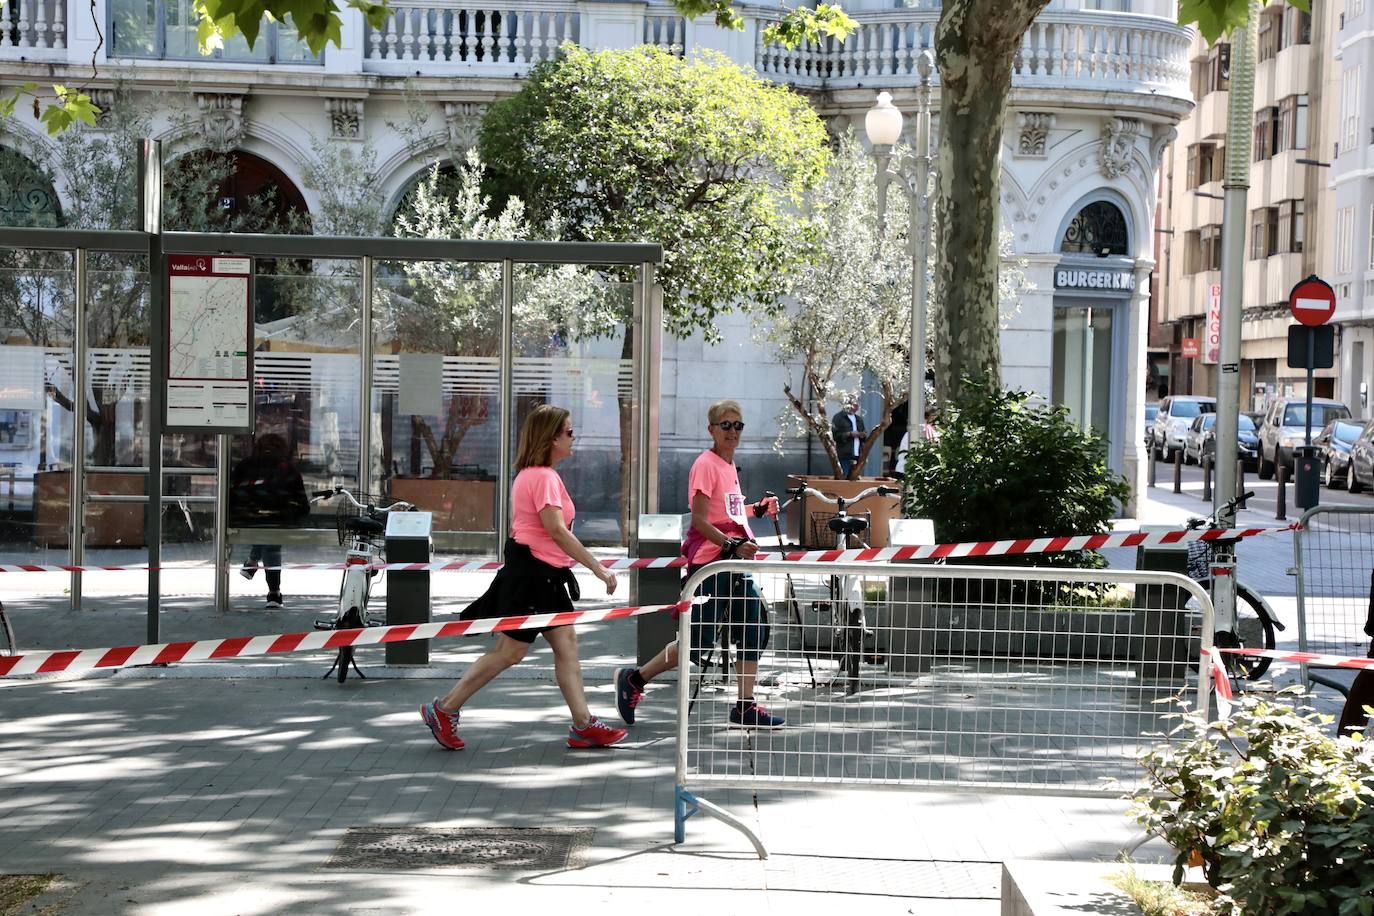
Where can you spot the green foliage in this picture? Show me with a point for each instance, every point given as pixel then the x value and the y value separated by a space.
pixel 1215 19
pixel 1281 812
pixel 317 21
pixel 698 155
pixel 69 106
pixel 1005 467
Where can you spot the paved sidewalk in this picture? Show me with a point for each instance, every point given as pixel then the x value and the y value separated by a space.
pixel 226 788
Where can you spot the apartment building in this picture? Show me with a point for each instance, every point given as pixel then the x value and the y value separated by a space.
pixel 1349 262
pixel 1098 88
pixel 1288 205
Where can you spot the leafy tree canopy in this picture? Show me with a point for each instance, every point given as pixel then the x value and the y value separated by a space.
pixel 698 155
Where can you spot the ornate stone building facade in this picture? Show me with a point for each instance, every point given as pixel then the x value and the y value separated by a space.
pixel 1098 89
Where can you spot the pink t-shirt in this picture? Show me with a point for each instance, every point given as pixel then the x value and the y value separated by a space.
pixel 716 477
pixel 535 489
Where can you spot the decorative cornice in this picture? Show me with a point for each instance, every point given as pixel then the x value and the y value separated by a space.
pixel 464 120
pixel 221 119
pixel 1118 139
pixel 1034 133
pixel 345 118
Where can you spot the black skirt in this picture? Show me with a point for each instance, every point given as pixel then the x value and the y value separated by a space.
pixel 525 585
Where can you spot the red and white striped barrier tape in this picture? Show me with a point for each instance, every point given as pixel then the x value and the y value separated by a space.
pixel 866 555
pixel 68 660
pixel 1306 658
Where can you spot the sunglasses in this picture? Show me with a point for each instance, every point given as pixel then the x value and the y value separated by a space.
pixel 728 425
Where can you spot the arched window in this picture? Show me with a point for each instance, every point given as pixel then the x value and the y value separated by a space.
pixel 26 196
pixel 237 191
pixel 1099 228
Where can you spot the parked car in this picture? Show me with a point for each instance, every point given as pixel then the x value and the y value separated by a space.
pixel 1247 442
pixel 1192 440
pixel 1361 473
pixel 1171 423
pixel 1150 411
pixel 1285 428
pixel 1335 441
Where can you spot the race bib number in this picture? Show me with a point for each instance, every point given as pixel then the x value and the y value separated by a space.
pixel 734 507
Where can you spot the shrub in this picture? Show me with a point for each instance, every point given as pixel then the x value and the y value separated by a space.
pixel 1004 467
pixel 1280 812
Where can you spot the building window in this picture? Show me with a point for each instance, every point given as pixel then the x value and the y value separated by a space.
pixel 1264 232
pixel 1266 130
pixel 1345 241
pixel 1219 68
pixel 1206 162
pixel 1350 108
pixel 1271 22
pixel 1209 248
pixel 1290 225
pixel 1099 228
pixel 1371 237
pixel 1297 28
pixel 1292 133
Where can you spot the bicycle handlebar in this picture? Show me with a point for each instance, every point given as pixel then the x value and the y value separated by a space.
pixel 398 506
pixel 797 492
pixel 1227 507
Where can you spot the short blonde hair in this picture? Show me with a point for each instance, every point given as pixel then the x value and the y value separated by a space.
pixel 721 408
pixel 541 427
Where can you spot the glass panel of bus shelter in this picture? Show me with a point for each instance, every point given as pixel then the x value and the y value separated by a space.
pixel 37 292
pixel 572 350
pixel 437 339
pixel 307 425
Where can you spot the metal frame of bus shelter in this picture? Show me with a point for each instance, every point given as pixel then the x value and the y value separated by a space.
pixel 645 325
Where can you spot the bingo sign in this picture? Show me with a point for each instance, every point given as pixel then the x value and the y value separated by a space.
pixel 1211 341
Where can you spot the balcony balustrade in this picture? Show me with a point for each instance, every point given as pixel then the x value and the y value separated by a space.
pixel 1081 50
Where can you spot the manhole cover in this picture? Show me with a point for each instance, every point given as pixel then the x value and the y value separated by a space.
pixel 528 848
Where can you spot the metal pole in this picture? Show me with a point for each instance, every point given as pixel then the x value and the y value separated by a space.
pixel 1237 182
pixel 76 538
pixel 365 382
pixel 507 426
pixel 220 545
pixel 150 222
pixel 920 256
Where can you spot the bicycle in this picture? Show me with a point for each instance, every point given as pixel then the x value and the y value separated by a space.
pixel 1250 622
pixel 847 613
pixel 361 526
pixel 7 644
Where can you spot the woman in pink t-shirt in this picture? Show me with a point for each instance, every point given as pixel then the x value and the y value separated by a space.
pixel 720 530
pixel 536 579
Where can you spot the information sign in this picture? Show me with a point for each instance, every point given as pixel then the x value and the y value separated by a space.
pixel 209 344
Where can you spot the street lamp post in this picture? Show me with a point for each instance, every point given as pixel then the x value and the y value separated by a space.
pixel 883 125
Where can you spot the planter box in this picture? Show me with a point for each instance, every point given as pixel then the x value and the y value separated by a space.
pixel 800 515
pixel 107 524
pixel 458 505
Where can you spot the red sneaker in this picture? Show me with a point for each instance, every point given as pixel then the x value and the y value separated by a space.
pixel 444 725
pixel 595 734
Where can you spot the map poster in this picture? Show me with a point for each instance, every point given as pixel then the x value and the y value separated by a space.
pixel 209 344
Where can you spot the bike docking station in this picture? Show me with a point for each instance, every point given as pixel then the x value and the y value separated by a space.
pixel 407 591
pixel 1311 345
pixel 659 536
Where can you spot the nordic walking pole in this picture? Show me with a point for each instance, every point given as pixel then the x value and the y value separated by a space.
pixel 792 595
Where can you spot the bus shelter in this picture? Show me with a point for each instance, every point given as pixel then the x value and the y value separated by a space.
pixel 400 367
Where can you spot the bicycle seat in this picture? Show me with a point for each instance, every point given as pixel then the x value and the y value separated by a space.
pixel 851 525
pixel 365 526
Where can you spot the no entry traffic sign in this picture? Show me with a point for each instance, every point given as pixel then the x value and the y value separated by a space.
pixel 1312 302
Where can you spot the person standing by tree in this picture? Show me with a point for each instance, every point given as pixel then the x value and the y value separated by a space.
pixel 536 579
pixel 848 429
pixel 720 531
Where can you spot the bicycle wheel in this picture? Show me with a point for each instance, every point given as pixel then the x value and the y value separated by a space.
pixel 351 620
pixel 7 644
pixel 1254 630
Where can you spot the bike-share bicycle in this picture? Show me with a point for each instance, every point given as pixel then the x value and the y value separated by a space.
pixel 846 605
pixel 361 526
pixel 1244 619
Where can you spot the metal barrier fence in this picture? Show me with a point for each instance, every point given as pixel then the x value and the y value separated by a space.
pixel 1030 679
pixel 1333 555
